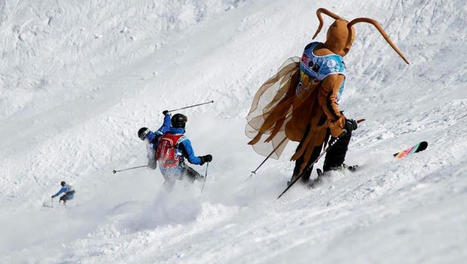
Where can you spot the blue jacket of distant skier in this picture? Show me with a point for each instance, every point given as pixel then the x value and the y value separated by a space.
pixel 319 67
pixel 67 189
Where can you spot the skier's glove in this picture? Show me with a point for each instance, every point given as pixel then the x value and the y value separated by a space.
pixel 350 125
pixel 53 196
pixel 165 112
pixel 207 158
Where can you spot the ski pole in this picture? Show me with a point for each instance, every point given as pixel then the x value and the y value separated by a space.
pixel 267 157
pixel 316 160
pixel 311 165
pixel 205 176
pixel 132 168
pixel 190 106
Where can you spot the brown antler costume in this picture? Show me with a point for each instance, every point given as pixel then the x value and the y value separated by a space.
pixel 283 114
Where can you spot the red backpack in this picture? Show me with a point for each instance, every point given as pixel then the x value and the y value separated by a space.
pixel 167 154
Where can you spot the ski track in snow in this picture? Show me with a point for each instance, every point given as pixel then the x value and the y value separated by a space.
pixel 78 78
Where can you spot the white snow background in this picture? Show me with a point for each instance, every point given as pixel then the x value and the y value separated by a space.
pixel 79 78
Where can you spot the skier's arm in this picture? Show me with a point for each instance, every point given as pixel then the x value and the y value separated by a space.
pixel 165 126
pixel 328 100
pixel 153 137
pixel 188 152
pixel 62 190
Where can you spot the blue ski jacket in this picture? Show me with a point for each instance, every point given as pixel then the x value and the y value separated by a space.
pixel 65 189
pixel 185 146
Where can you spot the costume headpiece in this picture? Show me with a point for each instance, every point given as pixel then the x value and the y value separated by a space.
pixel 340 34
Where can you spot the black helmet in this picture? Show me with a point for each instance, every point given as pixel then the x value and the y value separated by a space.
pixel 63 183
pixel 143 132
pixel 179 120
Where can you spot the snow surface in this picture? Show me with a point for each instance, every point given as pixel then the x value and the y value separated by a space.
pixel 78 78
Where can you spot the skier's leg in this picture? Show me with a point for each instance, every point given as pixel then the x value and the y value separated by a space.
pixel 62 199
pixel 307 171
pixel 300 160
pixel 168 185
pixel 298 163
pixel 192 174
pixel 336 155
pixel 169 180
pixel 296 171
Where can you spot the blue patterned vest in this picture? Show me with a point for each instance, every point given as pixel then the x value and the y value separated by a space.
pixel 314 67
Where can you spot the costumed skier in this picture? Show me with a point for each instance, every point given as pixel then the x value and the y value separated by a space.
pixel 300 102
pixel 151 139
pixel 172 149
pixel 68 191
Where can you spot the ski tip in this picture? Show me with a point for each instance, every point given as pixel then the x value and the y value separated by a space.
pixel 423 145
pixel 415 149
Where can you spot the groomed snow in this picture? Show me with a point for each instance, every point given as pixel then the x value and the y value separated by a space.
pixel 79 78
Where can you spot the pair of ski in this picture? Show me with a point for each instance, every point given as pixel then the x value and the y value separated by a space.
pixel 414 149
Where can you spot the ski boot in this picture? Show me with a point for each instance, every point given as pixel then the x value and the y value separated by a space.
pixel 341 168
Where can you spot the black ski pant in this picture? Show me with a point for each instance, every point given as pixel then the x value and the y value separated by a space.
pixel 334 157
pixel 191 173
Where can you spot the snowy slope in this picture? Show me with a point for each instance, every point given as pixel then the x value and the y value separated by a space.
pixel 78 78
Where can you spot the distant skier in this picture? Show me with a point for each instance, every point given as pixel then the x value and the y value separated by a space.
pixel 300 102
pixel 172 149
pixel 68 191
pixel 152 138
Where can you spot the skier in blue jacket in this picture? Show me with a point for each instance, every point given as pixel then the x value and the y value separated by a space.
pixel 169 147
pixel 68 190
pixel 172 150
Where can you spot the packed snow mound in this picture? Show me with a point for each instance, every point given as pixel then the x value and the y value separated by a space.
pixel 79 78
